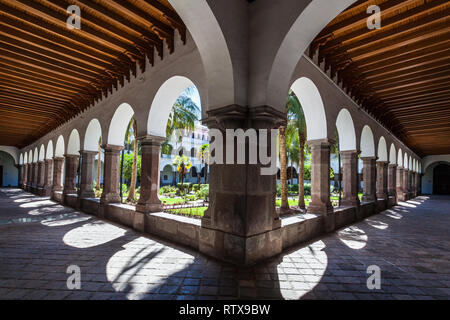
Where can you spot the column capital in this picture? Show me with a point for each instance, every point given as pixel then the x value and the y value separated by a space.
pixel 58 158
pixel 392 165
pixel 71 156
pixel 88 152
pixel 151 140
pixel 112 148
pixel 320 143
pixel 369 158
pixel 349 152
pixel 240 117
pixel 384 163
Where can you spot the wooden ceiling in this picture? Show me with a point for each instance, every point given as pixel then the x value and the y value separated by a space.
pixel 50 73
pixel 399 73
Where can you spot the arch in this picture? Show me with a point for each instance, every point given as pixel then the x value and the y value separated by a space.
pixel 12 151
pixel 30 156
pixel 73 147
pixel 213 48
pixel 59 150
pixel 49 154
pixel 382 150
pixel 306 27
pixel 405 161
pixel 42 153
pixel 35 155
pixel 163 102
pixel 392 155
pixel 21 159
pixel 420 167
pixel 367 142
pixel 92 136
pixel 346 131
pixel 400 158
pixel 410 165
pixel 313 108
pixel 441 178
pixel 119 123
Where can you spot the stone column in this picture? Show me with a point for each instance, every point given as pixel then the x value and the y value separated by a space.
pixel 70 181
pixel 392 180
pixel 350 178
pixel 410 193
pixel 149 199
pixel 35 176
pixel 25 176
pixel 418 184
pixel 405 184
pixel 58 163
pixel 111 175
pixel 41 176
pixel 241 224
pixel 30 177
pixel 320 182
pixel 400 173
pixel 19 175
pixel 48 177
pixel 382 175
pixel 87 174
pixel 413 184
pixel 370 179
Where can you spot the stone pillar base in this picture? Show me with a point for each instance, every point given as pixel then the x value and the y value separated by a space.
pixel 238 250
pixel 149 207
pixel 139 221
pixel 110 198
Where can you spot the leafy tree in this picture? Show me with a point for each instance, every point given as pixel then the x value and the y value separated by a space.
pixel 128 159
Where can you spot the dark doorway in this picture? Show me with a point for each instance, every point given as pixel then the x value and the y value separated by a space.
pixel 1 176
pixel 441 179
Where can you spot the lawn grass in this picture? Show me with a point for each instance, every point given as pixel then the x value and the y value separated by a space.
pixel 171 200
pixel 198 211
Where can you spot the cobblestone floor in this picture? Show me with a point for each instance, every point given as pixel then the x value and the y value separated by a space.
pixel 39 239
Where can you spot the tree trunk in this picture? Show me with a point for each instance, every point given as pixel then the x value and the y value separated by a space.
pixel 283 165
pixel 99 163
pixel 301 175
pixel 206 173
pixel 131 193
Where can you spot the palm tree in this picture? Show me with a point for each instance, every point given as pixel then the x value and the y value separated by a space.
pixel 131 136
pixel 184 114
pixel 292 147
pixel 203 154
pixel 295 113
pixel 99 163
pixel 283 169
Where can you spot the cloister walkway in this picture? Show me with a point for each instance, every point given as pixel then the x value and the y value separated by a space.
pixel 40 239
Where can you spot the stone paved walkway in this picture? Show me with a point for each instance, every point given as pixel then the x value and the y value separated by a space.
pixel 39 239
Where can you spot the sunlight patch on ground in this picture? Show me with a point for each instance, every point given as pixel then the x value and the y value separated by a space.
pixel 406 204
pixel 414 202
pixel 377 224
pixel 64 222
pixel 314 258
pixel 46 210
pixel 92 234
pixel 353 237
pixel 37 204
pixel 392 214
pixel 140 259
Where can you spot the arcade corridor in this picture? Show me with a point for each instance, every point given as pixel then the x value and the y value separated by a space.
pixel 39 239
